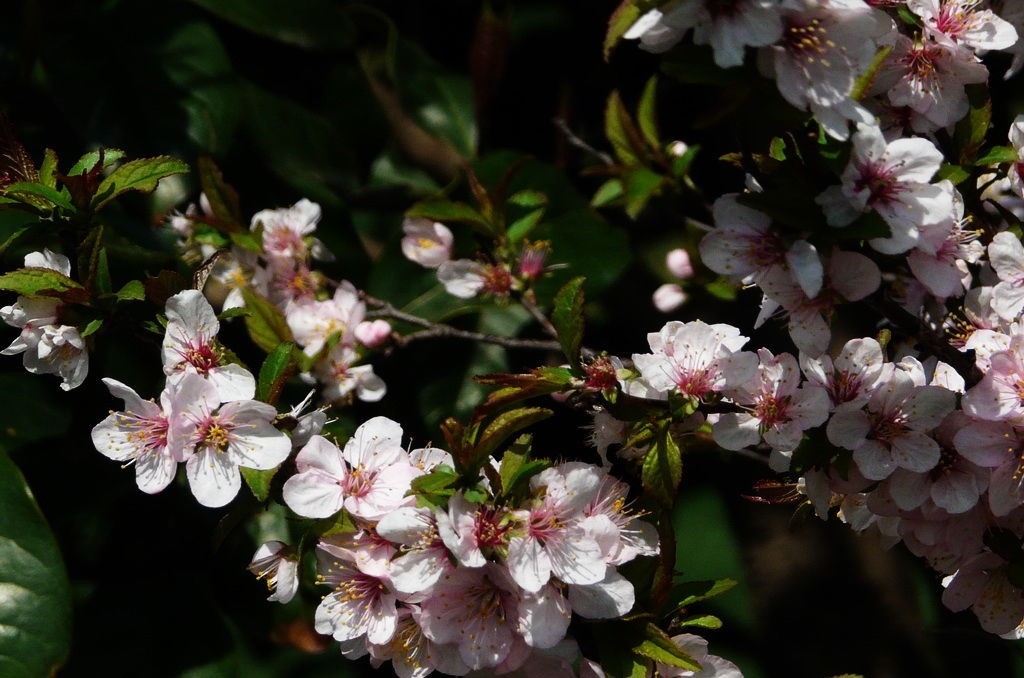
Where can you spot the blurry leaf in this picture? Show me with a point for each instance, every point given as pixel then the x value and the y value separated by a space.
pixel 259 481
pixel 266 324
pixel 504 425
pixel 310 24
pixel 448 211
pixel 705 621
pixel 37 281
pixel 89 160
pixel 89 256
pixel 641 185
pixel 526 209
pixel 275 372
pixel 35 605
pixel 681 163
pixel 246 240
pixel 996 155
pixel 969 134
pixel 39 195
pixel 163 285
pixel 866 79
pixel 777 149
pixel 865 227
pixel 624 16
pixel 389 169
pixel 48 169
pixel 646 114
pixel 663 468
pixel 657 645
pixel 620 130
pixel 691 592
pixel 137 175
pixel 222 196
pixel 567 317
pixel 133 290
pixel 441 103
pixel 609 192
pixel 93 326
pixel 694 65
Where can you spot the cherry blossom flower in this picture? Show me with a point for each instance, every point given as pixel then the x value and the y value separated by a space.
pixel 966 22
pixel 1016 136
pixel 941 256
pixel 424 558
pixel 669 297
pixel 1006 256
pixel 189 347
pixel 370 552
pixel 1000 447
pixel 890 178
pixel 314 322
pixel 140 435
pixel 285 230
pixel 340 376
pixel 891 434
pixel 274 562
pixel 463 278
pixel 358 605
pixel 550 539
pixel 426 242
pixel 619 530
pixel 697 648
pixel 373 333
pixel 982 585
pixel 219 441
pixel 678 263
pixel 779 408
pixel 369 478
pixel 997 397
pixel 695 358
pixel 742 244
pixel 471 531
pixel 533 258
pixel 852 377
pixel 412 654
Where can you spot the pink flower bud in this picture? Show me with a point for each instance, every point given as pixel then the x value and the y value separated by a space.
pixel 679 264
pixel 669 297
pixel 373 333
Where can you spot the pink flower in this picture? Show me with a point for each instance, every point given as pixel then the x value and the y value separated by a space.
pixel 669 297
pixel 314 322
pixel 940 259
pixel 424 558
pixel 473 532
pixel 997 397
pixel 853 375
pixel 678 263
pixel 997 446
pixel 285 230
pixel 189 347
pixel 982 585
pixel 369 479
pixel 891 434
pixel 618 530
pixel 373 333
pixel 533 259
pixel 428 243
pixel 219 441
pixel 695 358
pixel 742 244
pixel 550 539
pixel 274 562
pixel 340 376
pixel 1006 255
pixel 1016 136
pixel 358 605
pixel 140 435
pixel 463 278
pixel 965 22
pixel 412 654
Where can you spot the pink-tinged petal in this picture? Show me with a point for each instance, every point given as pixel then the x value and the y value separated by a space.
pixel 805 264
pixel 544 617
pixel 990 400
pixel 321 454
pixel 735 431
pixel 918 159
pixel 576 558
pixel 154 472
pixel 986 444
pixel 387 492
pixel 48 259
pixel 376 443
pixel 1000 607
pixel 908 489
pixel 607 599
pixel 738 368
pixel 418 569
pixel 1006 255
pixel 132 401
pixel 874 460
pixel 1006 489
pixel 915 451
pixel 405 525
pixel 957 492
pixel 853 275
pixel 383 620
pixel 189 317
pixel 233 382
pixel 529 564
pixel 213 477
pixel 113 441
pixel 313 494
pixel 962 589
pixel 849 426
pixel 928 406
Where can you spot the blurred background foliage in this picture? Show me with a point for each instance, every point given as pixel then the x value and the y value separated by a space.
pixel 366 108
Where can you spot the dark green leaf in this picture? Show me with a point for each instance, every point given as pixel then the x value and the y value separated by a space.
pixel 609 192
pixel 37 281
pixel 277 368
pixel 310 24
pixel 265 322
pixel 504 426
pixel 259 481
pixel 567 317
pixel 39 195
pixel 646 114
pixel 223 198
pixel 620 130
pixel 136 175
pixel 658 646
pixel 692 592
pixel 641 185
pixel 48 169
pixel 663 468
pixel 90 159
pixel 448 211
pixel 35 610
pixel 970 132
pixel 624 16
pixel 996 155
pixel 133 290
pixel 92 327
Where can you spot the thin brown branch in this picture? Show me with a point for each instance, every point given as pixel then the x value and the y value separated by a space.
pixel 574 140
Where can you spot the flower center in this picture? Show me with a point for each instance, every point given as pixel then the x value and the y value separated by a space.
pixel 808 41
pixel 215 434
pixel 203 357
pixel 879 181
pixel 359 481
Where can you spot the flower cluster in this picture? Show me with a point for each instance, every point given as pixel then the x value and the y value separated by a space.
pixel 205 417
pixel 47 345
pixel 275 263
pixel 466 585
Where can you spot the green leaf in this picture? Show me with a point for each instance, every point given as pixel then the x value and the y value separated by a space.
pixel 94 325
pixel 133 290
pixel 435 487
pixel 777 149
pixel 223 198
pixel 35 608
pixel 310 24
pixel 624 16
pixel 276 370
pixel 48 169
pixel 657 645
pixel 996 155
pixel 663 468
pixel 236 312
pixel 609 192
pixel 532 206
pixel 691 592
pixel 505 425
pixel 641 185
pixel 38 195
pixel 620 130
pixel 646 114
pixel 90 159
pixel 969 134
pixel 136 175
pixel 567 317
pixel 866 79
pixel 266 324
pixel 253 242
pixel 448 211
pixel 259 481
pixel 705 621
pixel 37 281
pixel 955 173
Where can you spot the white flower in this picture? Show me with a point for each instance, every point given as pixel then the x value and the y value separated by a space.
pixel 341 376
pixel 359 604
pixel 1006 256
pixel 423 559
pixel 967 22
pixel 853 375
pixel 314 322
pixel 275 563
pixel 285 230
pixel 463 278
pixel 1016 136
pixel 669 297
pixel 426 242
